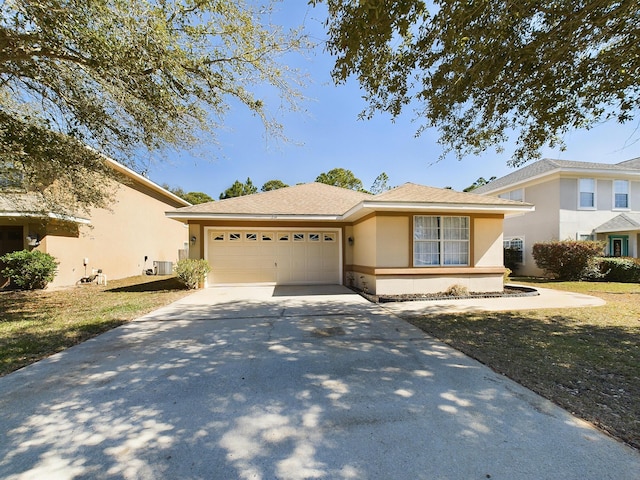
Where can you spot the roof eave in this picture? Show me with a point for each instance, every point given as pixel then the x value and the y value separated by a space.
pixel 439 207
pixel 249 216
pixel 53 216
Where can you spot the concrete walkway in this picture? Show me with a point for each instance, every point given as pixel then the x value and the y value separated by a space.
pixel 547 298
pixel 285 383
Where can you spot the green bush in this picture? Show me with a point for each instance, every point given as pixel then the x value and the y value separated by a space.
pixel 568 259
pixel 29 270
pixel 192 272
pixel 620 269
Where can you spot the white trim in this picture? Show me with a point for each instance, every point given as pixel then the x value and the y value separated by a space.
pixel 144 180
pixel 613 195
pixel 595 193
pixel 55 216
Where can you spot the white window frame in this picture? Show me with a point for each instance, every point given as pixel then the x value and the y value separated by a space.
pixel 614 193
pixel 441 241
pixel 516 195
pixel 594 193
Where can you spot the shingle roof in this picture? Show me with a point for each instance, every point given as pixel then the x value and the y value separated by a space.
pixel 305 199
pixel 319 200
pixel 549 165
pixel 411 192
pixel 624 222
pixel 32 205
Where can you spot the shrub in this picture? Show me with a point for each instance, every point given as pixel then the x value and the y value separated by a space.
pixel 192 272
pixel 29 270
pixel 506 276
pixel 457 291
pixel 620 269
pixel 568 259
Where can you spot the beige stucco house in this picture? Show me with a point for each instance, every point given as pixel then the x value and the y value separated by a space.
pixel 121 241
pixel 411 239
pixel 575 201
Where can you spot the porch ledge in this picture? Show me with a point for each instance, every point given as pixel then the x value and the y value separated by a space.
pixel 424 271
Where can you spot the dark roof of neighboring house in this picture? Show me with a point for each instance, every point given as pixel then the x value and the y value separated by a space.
pixel 317 200
pixel 547 166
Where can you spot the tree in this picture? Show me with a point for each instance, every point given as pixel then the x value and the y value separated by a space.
pixel 273 185
pixel 239 189
pixel 380 184
pixel 129 79
pixel 480 70
pixel 340 177
pixel 194 198
pixel 478 183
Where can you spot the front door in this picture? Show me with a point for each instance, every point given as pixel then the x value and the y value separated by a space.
pixel 619 246
pixel 11 240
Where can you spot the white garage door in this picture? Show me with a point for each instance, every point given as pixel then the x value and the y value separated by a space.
pixel 273 256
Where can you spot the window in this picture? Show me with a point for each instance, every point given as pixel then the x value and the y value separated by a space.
pixel 251 237
pixel 329 237
pixel 515 249
pixel 517 195
pixel 283 237
pixel 587 193
pixel 440 241
pixel 620 194
pixel 234 237
pixel 298 237
pixel 218 237
pixel 267 237
pixel 314 237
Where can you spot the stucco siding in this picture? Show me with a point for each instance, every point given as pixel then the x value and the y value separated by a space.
pixel 487 242
pixel 392 239
pixel 397 285
pixel 364 242
pixel 541 225
pixel 118 239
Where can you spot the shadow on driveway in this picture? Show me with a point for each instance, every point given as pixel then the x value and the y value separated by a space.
pixel 289 387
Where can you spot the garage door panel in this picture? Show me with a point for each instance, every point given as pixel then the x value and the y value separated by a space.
pixel 283 257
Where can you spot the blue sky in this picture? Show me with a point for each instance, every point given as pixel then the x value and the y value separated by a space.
pixel 326 134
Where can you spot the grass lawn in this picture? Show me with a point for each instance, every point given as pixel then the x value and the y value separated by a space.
pixel 586 360
pixel 36 324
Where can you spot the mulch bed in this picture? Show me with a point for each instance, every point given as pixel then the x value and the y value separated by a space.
pixel 509 291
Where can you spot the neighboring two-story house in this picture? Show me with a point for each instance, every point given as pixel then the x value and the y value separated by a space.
pixel 121 240
pixel 573 200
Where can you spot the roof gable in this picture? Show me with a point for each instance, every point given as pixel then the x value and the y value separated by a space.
pixel 548 166
pixel 413 193
pixel 624 222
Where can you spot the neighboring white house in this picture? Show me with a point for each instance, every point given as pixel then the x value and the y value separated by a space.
pixel 573 200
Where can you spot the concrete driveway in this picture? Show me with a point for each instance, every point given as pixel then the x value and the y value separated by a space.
pixel 264 383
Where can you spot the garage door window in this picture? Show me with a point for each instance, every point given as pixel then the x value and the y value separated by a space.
pixel 329 237
pixel 298 237
pixel 267 237
pixel 218 237
pixel 314 237
pixel 251 237
pixel 283 237
pixel 235 237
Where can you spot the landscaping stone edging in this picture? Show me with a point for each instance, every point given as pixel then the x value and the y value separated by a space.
pixel 515 291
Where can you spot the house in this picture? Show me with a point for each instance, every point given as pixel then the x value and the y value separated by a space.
pixel 122 241
pixel 574 200
pixel 411 239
